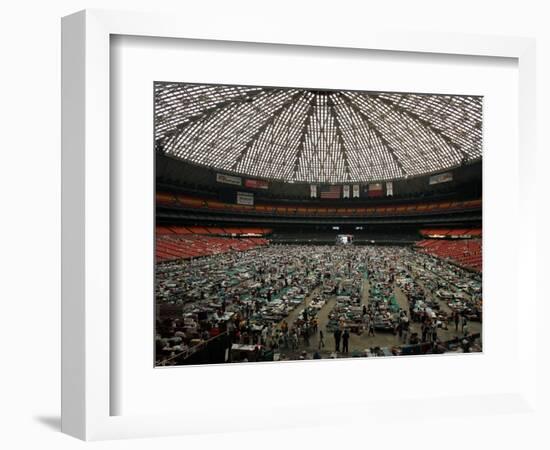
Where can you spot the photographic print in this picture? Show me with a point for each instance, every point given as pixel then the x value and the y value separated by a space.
pixel 304 224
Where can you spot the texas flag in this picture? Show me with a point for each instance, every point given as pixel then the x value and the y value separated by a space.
pixel 375 190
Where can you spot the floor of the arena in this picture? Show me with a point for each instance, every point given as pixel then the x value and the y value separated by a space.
pixel 334 284
pixel 363 340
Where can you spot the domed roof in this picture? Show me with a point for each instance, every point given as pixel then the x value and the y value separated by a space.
pixel 316 136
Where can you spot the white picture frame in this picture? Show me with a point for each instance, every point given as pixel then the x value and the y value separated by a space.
pixel 86 214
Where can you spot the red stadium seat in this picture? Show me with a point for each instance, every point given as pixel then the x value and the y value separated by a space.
pixel 464 252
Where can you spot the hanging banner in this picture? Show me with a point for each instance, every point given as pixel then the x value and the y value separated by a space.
pixel 256 184
pixel 228 179
pixel 389 188
pixel 441 178
pixel 313 191
pixel 245 198
pixel 345 192
pixel 356 191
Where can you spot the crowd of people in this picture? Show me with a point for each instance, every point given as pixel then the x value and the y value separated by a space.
pixel 310 302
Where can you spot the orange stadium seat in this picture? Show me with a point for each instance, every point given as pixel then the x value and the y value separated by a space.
pixel 164 198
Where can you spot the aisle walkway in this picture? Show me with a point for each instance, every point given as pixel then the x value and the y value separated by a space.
pixel 356 342
pixel 322 319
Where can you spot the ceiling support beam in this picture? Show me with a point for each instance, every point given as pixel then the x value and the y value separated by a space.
pixel 338 130
pixel 303 134
pixel 205 114
pixel 376 131
pixel 438 132
pixel 275 115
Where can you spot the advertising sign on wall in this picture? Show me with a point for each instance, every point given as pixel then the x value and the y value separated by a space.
pixel 256 184
pixel 245 198
pixel 228 179
pixel 441 178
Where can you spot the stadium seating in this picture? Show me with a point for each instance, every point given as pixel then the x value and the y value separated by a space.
pixel 178 242
pixel 452 232
pixel 213 231
pixel 464 252
pixel 189 202
pixel 185 246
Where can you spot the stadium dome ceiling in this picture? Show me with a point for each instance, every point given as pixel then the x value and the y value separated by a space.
pixel 316 136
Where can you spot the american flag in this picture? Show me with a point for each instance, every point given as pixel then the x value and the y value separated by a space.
pixel 330 192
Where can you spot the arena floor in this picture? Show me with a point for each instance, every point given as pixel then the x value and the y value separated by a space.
pixel 363 341
pixel 241 279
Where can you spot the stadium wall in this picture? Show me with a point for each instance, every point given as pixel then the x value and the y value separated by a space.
pixel 467 182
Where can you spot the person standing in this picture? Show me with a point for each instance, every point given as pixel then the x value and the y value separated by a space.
pixel 314 324
pixel 371 328
pixel 434 333
pixel 294 341
pixel 337 336
pixel 306 335
pixel 345 341
pixel 405 333
pixel 424 329
pixel 464 323
pixel 321 340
